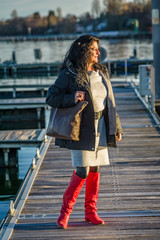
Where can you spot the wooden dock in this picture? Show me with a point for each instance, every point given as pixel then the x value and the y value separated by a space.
pixel 117 67
pixel 19 90
pixel 29 112
pixel 22 103
pixel 129 197
pixel 12 140
pixel 22 138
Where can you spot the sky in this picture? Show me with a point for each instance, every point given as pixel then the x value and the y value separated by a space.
pixel 28 7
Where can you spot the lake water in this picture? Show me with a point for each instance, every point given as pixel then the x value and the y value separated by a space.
pixel 52 51
pixel 11 178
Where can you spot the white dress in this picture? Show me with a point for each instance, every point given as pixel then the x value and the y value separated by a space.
pixel 98 157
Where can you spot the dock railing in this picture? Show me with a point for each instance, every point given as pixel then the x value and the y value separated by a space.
pixel 116 66
pixel 16 206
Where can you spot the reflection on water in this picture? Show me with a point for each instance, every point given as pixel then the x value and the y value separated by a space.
pixel 53 51
pixel 9 182
pixel 11 178
pixel 120 49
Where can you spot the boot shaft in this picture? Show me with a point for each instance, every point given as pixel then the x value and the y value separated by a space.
pixel 69 198
pixel 91 191
pixel 72 191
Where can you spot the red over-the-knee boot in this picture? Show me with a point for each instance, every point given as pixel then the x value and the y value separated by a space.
pixel 69 198
pixel 91 197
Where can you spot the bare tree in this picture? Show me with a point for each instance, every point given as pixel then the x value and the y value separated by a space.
pixel 96 8
pixel 14 14
pixel 105 3
pixel 113 7
pixel 147 7
pixel 59 12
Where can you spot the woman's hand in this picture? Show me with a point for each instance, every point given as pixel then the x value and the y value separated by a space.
pixel 79 96
pixel 119 137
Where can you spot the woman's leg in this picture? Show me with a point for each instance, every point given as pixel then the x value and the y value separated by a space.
pixel 94 169
pixel 83 172
pixel 70 196
pixel 91 196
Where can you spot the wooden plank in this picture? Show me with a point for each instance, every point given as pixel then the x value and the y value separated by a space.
pixel 24 86
pixel 23 103
pixel 13 138
pixel 129 194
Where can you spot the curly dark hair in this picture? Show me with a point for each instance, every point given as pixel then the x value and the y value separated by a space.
pixel 78 56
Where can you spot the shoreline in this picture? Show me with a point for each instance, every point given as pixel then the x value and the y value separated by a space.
pixel 72 36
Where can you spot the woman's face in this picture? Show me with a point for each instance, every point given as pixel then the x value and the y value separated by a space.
pixel 94 53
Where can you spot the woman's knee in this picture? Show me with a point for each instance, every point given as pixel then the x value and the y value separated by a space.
pixel 95 169
pixel 82 172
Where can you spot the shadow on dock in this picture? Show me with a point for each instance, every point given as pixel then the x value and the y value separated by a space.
pixel 129 197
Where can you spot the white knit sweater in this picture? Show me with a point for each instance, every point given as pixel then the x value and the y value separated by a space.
pixel 99 156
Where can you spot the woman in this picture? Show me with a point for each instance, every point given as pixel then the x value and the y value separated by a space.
pixel 81 77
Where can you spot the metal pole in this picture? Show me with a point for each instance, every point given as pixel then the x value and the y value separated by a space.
pixel 125 68
pixel 109 68
pixel 156 47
